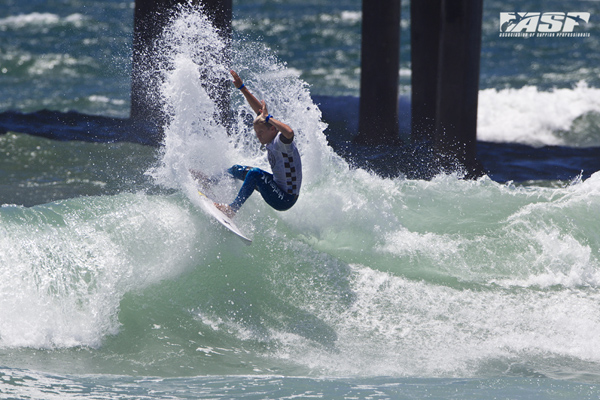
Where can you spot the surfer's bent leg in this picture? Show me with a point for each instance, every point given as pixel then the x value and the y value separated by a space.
pixel 250 176
pixel 239 171
pixel 256 178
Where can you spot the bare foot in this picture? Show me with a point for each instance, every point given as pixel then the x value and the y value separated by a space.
pixel 225 209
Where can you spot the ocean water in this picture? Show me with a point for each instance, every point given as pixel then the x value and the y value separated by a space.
pixel 115 285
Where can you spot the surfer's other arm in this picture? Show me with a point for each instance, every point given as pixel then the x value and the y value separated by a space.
pixel 260 108
pixel 265 118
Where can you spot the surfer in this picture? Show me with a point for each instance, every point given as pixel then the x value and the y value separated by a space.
pixel 281 188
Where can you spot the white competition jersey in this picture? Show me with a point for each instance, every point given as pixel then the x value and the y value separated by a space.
pixel 285 164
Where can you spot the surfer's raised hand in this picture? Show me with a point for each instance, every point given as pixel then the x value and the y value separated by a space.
pixel 239 84
pixel 237 81
pixel 264 113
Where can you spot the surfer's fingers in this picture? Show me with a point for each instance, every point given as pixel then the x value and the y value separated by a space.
pixel 264 110
pixel 237 81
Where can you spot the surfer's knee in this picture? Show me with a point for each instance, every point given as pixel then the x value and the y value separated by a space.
pixel 238 171
pixel 255 173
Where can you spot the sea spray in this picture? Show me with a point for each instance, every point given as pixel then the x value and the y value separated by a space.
pixel 528 115
pixel 190 54
pixel 194 67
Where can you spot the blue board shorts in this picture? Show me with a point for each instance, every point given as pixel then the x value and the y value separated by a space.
pixel 257 179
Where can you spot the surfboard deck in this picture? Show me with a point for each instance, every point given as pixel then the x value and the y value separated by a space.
pixel 222 218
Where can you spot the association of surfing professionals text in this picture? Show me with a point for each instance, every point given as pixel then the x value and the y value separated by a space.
pixel 544 24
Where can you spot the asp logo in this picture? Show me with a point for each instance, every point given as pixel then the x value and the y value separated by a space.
pixel 542 24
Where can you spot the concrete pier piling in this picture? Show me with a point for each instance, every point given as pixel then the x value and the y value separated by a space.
pixel 424 55
pixel 380 67
pixel 458 84
pixel 445 54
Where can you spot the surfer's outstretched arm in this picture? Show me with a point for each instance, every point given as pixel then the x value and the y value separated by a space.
pixel 253 101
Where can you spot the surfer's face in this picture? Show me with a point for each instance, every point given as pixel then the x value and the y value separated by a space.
pixel 265 133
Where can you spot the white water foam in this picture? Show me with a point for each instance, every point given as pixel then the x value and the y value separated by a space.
pixel 447 277
pixel 537 118
pixel 403 327
pixel 64 267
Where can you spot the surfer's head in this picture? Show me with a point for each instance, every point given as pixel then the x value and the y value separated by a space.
pixel 265 132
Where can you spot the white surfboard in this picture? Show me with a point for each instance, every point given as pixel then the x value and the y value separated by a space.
pixel 222 218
